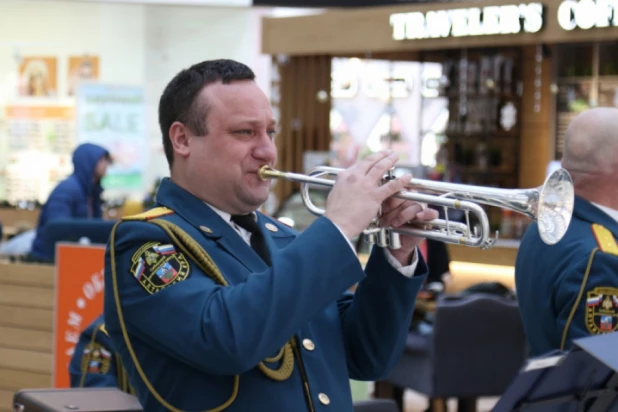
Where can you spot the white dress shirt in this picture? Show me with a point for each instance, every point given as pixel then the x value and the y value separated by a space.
pixel 407 271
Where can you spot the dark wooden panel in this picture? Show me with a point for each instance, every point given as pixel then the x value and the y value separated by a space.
pixel 304 119
pixel 535 140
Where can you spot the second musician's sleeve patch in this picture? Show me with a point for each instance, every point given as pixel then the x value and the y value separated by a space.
pixel 158 265
pixel 602 310
pixel 96 359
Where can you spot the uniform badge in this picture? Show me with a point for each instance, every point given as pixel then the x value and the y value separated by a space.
pixel 156 266
pixel 96 359
pixel 602 310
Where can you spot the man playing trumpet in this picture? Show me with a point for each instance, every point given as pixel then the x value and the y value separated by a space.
pixel 214 306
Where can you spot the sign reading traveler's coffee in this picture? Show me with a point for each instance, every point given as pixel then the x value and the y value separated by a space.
pixel 587 14
pixel 474 21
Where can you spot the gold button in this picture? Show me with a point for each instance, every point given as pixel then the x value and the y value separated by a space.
pixel 323 398
pixel 308 344
pixel 206 229
pixel 272 227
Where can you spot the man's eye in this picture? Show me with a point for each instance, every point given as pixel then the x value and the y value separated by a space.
pixel 245 131
pixel 272 133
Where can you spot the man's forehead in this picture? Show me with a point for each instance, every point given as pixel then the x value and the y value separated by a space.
pixel 236 90
pixel 238 101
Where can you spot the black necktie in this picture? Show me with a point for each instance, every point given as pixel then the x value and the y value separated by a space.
pixel 258 243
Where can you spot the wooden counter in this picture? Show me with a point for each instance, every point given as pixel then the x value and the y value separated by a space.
pixel 503 253
pixel 471 265
pixel 15 217
pixel 26 328
pixel 16 220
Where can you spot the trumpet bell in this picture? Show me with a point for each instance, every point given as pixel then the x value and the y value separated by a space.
pixel 555 207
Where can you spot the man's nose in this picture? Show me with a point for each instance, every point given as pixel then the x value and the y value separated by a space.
pixel 266 149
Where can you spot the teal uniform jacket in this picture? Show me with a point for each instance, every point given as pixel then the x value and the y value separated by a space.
pixel 223 331
pixel 569 290
pixel 94 362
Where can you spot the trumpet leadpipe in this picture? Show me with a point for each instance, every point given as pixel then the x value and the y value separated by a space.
pixel 266 172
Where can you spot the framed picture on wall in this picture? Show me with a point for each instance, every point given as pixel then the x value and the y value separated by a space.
pixel 38 77
pixel 81 68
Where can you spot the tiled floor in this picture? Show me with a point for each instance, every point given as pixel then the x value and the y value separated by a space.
pixel 416 402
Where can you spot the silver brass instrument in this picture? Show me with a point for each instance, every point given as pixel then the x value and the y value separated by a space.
pixel 551 205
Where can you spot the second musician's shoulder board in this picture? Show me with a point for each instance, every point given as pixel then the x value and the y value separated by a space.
pixel 605 239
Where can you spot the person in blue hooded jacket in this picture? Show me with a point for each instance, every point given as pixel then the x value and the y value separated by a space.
pixel 76 197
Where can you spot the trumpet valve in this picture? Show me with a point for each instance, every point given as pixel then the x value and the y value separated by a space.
pixel 371 238
pixel 390 175
pixel 382 238
pixel 394 240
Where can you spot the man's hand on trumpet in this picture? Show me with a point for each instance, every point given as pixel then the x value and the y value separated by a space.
pixel 359 195
pixel 397 213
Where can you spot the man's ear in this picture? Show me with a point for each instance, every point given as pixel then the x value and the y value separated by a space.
pixel 179 138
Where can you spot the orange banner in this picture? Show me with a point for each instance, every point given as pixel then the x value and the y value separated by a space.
pixel 79 300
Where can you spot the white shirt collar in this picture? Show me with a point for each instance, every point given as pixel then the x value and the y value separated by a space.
pixel 225 215
pixel 246 236
pixel 613 213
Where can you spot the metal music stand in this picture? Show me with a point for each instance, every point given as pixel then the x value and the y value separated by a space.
pixel 584 379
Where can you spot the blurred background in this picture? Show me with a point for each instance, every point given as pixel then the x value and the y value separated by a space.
pixel 482 99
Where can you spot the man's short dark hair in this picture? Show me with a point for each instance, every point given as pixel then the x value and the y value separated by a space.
pixel 178 101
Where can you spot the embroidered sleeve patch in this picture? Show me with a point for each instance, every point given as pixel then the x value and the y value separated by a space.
pixel 157 266
pixel 96 359
pixel 602 310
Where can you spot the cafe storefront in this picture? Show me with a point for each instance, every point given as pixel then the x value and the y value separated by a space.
pixel 514 75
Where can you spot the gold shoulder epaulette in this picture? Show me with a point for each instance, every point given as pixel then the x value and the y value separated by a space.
pixel 150 214
pixel 102 329
pixel 605 239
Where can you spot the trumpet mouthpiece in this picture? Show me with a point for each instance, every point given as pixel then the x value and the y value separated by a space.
pixel 262 172
pixel 266 172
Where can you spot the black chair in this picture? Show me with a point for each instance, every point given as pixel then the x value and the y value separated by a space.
pixel 476 349
pixel 376 405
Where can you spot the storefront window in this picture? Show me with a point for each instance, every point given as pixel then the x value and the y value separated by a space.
pixel 380 104
pixel 586 78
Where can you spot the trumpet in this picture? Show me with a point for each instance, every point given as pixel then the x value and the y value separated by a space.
pixel 550 205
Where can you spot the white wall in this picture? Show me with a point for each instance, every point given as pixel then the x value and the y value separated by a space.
pixel 178 37
pixel 137 45
pixel 60 29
